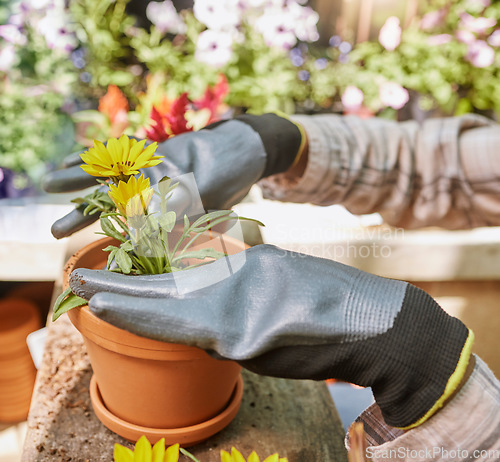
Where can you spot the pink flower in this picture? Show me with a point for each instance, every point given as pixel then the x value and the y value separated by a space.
pixel 12 34
pixel 217 14
pixel 214 48
pixel 352 98
pixel 390 34
pixel 165 17
pixel 56 27
pixel 8 58
pixel 440 39
pixel 478 25
pixel 494 38
pixel 276 26
pixel 393 95
pixel 433 19
pixel 480 54
pixel 465 36
pixel 304 21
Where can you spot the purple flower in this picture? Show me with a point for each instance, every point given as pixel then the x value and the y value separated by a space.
pixel 321 63
pixel 390 34
pixel 480 54
pixel 165 17
pixel 352 98
pixel 304 75
pixel 214 48
pixel 345 47
pixel 296 57
pixel 335 41
pixel 393 95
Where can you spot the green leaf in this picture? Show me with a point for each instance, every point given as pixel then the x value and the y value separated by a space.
pixel 201 254
pixel 110 230
pixel 188 454
pixel 167 221
pixel 65 302
pixel 112 249
pixel 211 216
pixel 164 186
pixel 186 224
pixel 123 261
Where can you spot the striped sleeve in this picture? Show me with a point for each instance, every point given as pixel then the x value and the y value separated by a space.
pixel 445 172
pixel 467 428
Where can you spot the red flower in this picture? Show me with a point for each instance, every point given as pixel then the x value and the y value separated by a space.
pixel 213 98
pixel 172 123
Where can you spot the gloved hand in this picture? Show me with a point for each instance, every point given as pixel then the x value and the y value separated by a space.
pixel 226 160
pixel 289 315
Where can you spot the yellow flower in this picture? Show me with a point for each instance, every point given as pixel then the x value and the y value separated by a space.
pixel 132 197
pixel 236 456
pixel 120 158
pixel 144 453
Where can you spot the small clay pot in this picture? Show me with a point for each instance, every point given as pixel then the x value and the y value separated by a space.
pixel 18 318
pixel 153 387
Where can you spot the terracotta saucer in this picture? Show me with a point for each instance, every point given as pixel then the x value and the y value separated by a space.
pixel 185 436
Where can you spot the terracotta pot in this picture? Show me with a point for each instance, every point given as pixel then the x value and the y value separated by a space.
pixel 154 387
pixel 18 318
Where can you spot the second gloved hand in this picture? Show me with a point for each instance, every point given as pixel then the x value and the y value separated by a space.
pixel 226 159
pixel 289 315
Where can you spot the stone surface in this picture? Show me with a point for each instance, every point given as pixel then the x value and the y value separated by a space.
pixel 297 419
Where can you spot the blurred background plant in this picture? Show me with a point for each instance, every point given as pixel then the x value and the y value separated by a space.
pixel 445 62
pixel 106 64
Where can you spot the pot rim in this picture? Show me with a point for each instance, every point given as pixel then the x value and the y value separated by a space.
pixel 114 338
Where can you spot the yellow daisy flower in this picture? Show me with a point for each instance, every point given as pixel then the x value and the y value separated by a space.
pixel 236 456
pixel 132 197
pixel 144 453
pixel 120 158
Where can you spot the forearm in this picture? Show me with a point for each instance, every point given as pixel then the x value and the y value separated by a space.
pixel 443 173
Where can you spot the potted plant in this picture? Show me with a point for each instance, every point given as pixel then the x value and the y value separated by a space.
pixel 142 386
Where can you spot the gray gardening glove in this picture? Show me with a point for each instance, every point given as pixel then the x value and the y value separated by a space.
pixel 285 314
pixel 226 160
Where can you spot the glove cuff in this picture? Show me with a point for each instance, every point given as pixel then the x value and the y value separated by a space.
pixel 283 140
pixel 453 382
pixel 430 351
